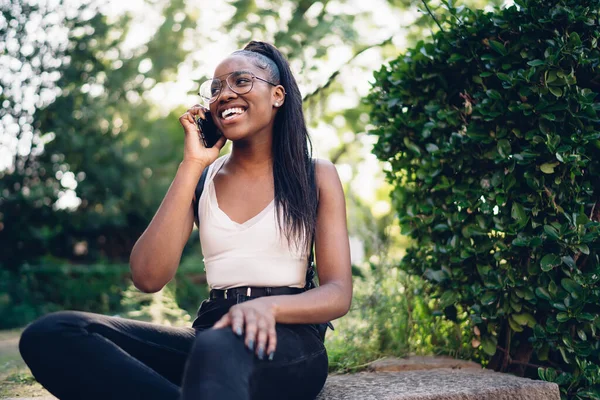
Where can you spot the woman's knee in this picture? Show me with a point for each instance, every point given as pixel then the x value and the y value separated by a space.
pixel 40 331
pixel 221 343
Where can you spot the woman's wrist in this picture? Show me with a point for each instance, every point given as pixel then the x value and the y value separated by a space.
pixel 197 165
pixel 271 303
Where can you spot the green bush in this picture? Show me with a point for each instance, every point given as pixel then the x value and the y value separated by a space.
pixel 391 316
pixel 492 135
pixel 38 290
pixel 100 288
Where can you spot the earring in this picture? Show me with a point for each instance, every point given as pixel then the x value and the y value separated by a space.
pixel 277 104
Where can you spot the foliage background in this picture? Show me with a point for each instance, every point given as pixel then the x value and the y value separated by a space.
pixel 492 134
pixel 90 142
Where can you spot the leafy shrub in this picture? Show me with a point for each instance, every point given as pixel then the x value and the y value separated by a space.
pixel 40 289
pixel 100 288
pixel 391 316
pixel 492 135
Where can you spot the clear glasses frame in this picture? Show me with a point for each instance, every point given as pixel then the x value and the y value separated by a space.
pixel 240 82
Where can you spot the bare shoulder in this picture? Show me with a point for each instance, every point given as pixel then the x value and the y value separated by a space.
pixel 326 172
pixel 328 180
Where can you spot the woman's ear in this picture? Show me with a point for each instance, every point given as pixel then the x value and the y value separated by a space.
pixel 278 96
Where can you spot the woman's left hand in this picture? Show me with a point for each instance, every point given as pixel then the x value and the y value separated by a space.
pixel 255 318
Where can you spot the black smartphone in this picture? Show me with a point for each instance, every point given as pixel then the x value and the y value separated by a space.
pixel 208 130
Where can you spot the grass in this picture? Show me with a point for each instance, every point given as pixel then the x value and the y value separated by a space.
pixel 15 378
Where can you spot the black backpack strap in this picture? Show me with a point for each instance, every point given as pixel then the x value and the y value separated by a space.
pixel 198 193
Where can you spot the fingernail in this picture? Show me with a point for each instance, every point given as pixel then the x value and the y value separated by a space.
pixel 261 353
pixel 238 331
pixel 271 355
pixel 251 344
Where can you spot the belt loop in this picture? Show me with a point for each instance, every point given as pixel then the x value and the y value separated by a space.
pixel 249 291
pixel 225 293
pixel 268 291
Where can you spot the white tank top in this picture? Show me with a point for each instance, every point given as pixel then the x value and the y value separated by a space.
pixel 253 253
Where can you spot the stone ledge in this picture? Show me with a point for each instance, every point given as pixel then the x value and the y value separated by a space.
pixel 438 384
pixel 415 363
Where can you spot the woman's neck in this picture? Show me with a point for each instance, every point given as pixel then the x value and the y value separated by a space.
pixel 251 157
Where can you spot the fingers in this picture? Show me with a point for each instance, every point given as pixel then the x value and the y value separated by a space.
pixel 261 339
pixel 237 321
pixel 223 322
pixel 221 142
pixel 261 336
pixel 188 118
pixel 198 110
pixel 251 329
pixel 272 340
pixel 257 330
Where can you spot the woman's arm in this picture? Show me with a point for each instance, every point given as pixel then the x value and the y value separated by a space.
pixel 155 256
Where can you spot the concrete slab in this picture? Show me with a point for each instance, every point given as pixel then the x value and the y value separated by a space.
pixel 415 363
pixel 437 384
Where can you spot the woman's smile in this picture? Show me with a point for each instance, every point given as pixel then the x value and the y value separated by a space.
pixel 231 115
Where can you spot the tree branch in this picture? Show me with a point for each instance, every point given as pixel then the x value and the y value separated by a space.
pixel 332 77
pixel 432 16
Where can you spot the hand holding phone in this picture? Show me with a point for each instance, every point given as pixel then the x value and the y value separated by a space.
pixel 208 130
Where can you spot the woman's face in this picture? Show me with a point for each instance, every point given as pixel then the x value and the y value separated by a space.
pixel 254 111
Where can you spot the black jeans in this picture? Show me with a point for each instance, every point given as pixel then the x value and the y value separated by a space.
pixel 81 355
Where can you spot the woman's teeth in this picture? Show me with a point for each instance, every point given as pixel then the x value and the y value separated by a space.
pixel 232 112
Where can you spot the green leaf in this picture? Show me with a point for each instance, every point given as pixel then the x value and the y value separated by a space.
pixel 542 293
pixel 499 47
pixel 542 353
pixel 448 298
pixel 488 298
pixel 517 212
pixel 413 147
pixel 586 316
pixel 488 344
pixel 551 232
pixel 575 39
pixel 536 63
pixel 562 317
pixel 456 57
pixel 549 261
pixel 583 248
pixel 430 147
pixel 548 168
pixel 493 94
pixel 568 260
pixel 555 91
pixel 514 325
pixel 525 319
pixel 503 77
pixel 435 275
pixel 570 285
pixel 504 148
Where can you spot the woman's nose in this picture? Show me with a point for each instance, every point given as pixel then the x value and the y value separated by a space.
pixel 226 93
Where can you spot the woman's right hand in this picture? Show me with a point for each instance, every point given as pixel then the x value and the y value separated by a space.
pixel 194 149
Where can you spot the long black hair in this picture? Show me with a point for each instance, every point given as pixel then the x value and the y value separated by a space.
pixel 293 169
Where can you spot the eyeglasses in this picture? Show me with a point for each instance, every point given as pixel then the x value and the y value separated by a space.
pixel 240 82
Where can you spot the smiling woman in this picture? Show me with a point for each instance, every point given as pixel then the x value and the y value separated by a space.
pixel 262 208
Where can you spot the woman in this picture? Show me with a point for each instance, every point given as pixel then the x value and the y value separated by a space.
pixel 260 208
